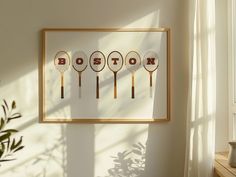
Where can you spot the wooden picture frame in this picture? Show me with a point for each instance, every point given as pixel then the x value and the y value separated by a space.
pixel 151 104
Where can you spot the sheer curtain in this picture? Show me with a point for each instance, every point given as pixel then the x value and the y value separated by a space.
pixel 200 140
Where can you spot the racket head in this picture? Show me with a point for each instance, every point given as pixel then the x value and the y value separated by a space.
pixel 151 61
pixel 97 61
pixel 62 61
pixel 132 61
pixel 79 61
pixel 115 61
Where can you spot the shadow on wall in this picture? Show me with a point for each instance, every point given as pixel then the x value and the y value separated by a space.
pixel 129 163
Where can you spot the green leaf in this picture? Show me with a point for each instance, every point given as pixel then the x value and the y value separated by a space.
pixel 2 123
pixel 1 153
pixel 13 144
pixel 4 110
pixel 8 143
pixel 6 160
pixel 9 131
pixel 19 148
pixel 6 104
pixel 19 142
pixel 2 149
pixel 13 105
pixel 3 137
pixel 14 116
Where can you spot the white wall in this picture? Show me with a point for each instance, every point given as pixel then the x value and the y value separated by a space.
pixel 221 76
pixel 85 150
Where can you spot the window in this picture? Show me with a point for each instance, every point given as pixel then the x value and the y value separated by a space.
pixel 232 68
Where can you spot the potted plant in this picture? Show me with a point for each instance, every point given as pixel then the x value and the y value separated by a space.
pixel 9 144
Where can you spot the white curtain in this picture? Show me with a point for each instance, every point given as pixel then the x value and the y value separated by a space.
pixel 200 139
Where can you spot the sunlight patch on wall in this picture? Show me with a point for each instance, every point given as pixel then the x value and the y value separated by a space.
pixel 148 21
pixel 24 91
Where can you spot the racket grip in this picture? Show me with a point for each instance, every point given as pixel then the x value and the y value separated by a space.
pixel 97 87
pixel 62 86
pixel 79 80
pixel 62 91
pixel 150 80
pixel 132 89
pixel 115 85
pixel 79 84
pixel 132 96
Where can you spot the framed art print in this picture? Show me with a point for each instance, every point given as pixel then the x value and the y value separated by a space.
pixel 105 75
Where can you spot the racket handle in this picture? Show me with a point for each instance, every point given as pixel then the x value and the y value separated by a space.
pixel 62 91
pixel 150 79
pixel 132 89
pixel 115 85
pixel 62 87
pixel 79 79
pixel 97 87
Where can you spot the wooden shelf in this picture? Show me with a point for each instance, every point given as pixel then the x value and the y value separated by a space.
pixel 222 168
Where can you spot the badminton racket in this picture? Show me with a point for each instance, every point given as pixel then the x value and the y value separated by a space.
pixel 150 63
pixel 79 63
pixel 115 63
pixel 62 63
pixel 132 63
pixel 97 62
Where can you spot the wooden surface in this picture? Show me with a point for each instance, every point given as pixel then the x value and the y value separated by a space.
pixel 222 168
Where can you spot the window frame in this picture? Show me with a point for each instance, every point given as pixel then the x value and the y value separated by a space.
pixel 232 68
